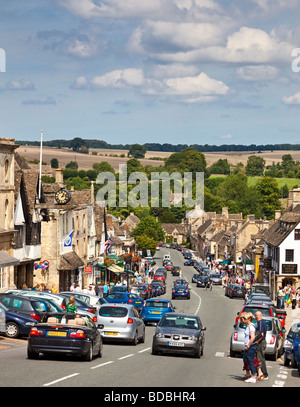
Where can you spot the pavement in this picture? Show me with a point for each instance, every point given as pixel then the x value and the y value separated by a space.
pixel 292 315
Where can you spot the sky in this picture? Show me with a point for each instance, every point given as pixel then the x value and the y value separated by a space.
pixel 151 71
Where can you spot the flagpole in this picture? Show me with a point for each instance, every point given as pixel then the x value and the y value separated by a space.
pixel 40 174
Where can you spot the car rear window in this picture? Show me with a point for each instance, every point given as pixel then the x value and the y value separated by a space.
pixel 40 306
pixel 156 304
pixel 116 312
pixel 265 311
pixel 268 324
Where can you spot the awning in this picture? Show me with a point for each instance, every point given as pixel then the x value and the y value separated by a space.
pixel 70 261
pixel 7 260
pixel 114 269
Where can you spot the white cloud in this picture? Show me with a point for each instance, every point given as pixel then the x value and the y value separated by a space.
pixel 22 84
pixel 292 100
pixel 80 83
pixel 253 73
pixel 119 78
pixel 226 136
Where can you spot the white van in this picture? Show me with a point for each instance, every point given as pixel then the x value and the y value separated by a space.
pixel 167 256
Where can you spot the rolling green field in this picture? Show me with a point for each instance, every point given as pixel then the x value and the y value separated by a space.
pixel 290 182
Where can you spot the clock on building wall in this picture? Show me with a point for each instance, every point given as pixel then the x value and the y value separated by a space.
pixel 62 196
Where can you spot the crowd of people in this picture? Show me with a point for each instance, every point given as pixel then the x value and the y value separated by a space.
pixel 287 296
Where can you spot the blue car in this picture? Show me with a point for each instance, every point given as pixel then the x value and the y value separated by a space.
pixel 154 309
pixel 181 290
pixel 17 324
pixel 125 298
pixel 292 347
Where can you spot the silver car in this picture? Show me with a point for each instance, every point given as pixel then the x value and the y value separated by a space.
pixel 120 322
pixel 2 319
pixel 179 333
pixel 275 338
pixel 215 278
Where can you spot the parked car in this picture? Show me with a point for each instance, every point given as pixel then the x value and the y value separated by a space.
pixel 176 271
pixel 179 333
pixel 274 338
pixel 157 289
pixel 26 306
pixel 16 324
pixel 202 281
pixel 236 290
pixel 81 305
pixel 2 319
pixel 260 288
pixel 266 310
pixel 92 300
pixel 60 300
pixel 119 288
pixel 125 298
pixel 65 333
pixel 194 278
pixel 153 309
pixel 215 278
pixel 189 262
pixel 144 292
pixel 292 347
pixel 121 322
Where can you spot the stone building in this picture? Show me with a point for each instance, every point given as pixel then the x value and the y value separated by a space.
pixel 7 187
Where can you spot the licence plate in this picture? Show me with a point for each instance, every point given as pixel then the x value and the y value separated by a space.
pixel 110 333
pixel 176 344
pixel 56 333
pixel 180 291
pixel 155 312
pixel 138 302
pixel 240 292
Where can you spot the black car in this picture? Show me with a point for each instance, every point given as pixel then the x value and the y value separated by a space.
pixel 176 271
pixel 65 333
pixel 189 262
pixel 236 290
pixel 29 307
pixel 202 281
pixel 144 291
pixel 195 277
pixel 161 284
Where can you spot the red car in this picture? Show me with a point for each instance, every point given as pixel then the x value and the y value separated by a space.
pixel 266 310
pixel 159 276
pixel 169 267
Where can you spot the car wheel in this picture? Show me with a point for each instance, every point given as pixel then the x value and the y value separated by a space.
pixel 299 368
pixel 154 351
pixel 135 339
pixel 12 330
pixel 143 336
pixel 89 356
pixel 198 352
pixel 232 353
pixel 286 361
pixel 32 354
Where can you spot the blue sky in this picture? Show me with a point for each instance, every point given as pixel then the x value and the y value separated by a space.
pixel 165 71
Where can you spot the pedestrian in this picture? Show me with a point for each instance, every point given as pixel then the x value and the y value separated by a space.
pixel 53 289
pixel 287 299
pixel 293 299
pixel 261 346
pixel 280 298
pixel 105 290
pixel 77 289
pixel 100 290
pixel 72 288
pixel 71 307
pixel 250 346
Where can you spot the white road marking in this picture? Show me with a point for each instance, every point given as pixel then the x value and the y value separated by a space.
pixel 144 350
pixel 127 356
pixel 61 379
pixel 102 364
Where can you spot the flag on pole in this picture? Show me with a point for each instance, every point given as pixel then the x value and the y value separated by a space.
pixel 107 245
pixel 68 239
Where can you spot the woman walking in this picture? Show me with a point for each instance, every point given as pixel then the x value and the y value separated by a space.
pixel 250 345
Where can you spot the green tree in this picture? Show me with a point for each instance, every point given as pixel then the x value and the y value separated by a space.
pixel 149 225
pixel 104 166
pixel 220 167
pixel 269 195
pixel 255 166
pixel 146 243
pixel 54 163
pixel 77 143
pixel 137 151
pixel 73 165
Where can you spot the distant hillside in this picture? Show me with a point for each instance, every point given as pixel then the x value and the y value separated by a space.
pixel 166 147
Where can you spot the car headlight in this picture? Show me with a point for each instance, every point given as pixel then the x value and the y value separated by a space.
pixel 158 335
pixel 193 338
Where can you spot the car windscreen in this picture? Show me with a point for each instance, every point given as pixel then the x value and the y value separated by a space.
pixel 268 324
pixel 180 322
pixel 116 312
pixel 156 304
pixel 215 276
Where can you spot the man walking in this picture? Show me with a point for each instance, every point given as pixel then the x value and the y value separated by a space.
pixel 261 346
